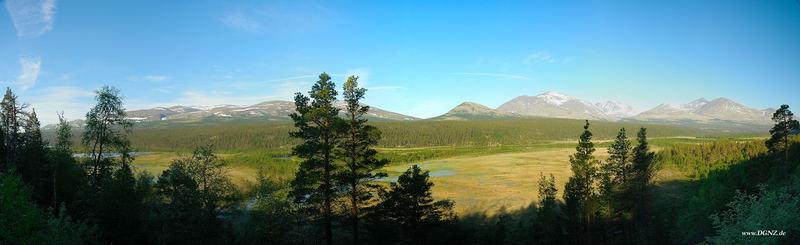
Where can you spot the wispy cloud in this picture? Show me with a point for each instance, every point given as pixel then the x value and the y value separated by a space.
pixel 29 74
pixel 540 56
pixel 279 16
pixel 32 18
pixel 156 78
pixel 501 75
pixel 73 101
pixel 293 78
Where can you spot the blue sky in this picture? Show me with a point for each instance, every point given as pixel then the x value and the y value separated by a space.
pixel 417 58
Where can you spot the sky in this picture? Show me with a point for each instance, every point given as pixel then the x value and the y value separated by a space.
pixel 419 58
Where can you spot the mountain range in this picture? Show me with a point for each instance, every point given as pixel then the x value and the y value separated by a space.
pixel 548 105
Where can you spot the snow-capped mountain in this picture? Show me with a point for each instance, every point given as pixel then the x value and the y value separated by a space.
pixel 704 110
pixel 553 104
pixel 271 110
pixel 616 109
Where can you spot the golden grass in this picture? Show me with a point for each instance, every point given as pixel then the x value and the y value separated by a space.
pixel 157 162
pixel 487 183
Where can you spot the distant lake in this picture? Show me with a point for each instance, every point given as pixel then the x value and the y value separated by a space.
pixel 110 154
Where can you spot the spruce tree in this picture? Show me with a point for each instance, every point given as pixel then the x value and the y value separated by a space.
pixel 643 170
pixel 360 161
pixel 784 124
pixel 579 190
pixel 616 170
pixel 13 118
pixel 33 164
pixel 319 129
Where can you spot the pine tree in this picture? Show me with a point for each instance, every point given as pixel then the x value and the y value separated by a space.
pixel 13 117
pixel 33 164
pixel 360 161
pixel 319 129
pixel 409 204
pixel 547 191
pixel 578 192
pixel 106 127
pixel 784 124
pixel 616 170
pixel 643 169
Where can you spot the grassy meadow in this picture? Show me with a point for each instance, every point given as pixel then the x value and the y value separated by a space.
pixel 477 178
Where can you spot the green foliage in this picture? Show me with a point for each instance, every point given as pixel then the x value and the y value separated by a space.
pixel 13 120
pixel 319 127
pixel 62 229
pixel 194 192
pixel 357 153
pixel 700 159
pixel 106 129
pixel 270 220
pixel 180 214
pixel 21 222
pixel 734 166
pixel 784 124
pixel 409 206
pixel 120 208
pixel 775 211
pixel 579 190
pixel 474 133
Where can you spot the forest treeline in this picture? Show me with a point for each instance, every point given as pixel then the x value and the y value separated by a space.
pixel 48 196
pixel 490 132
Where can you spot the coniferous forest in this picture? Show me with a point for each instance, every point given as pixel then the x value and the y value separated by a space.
pixel 680 193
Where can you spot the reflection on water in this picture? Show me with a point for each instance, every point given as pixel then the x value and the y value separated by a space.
pixel 110 154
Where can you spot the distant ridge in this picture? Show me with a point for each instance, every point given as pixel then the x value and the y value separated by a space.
pixel 553 104
pixel 704 110
pixel 471 111
pixel 550 104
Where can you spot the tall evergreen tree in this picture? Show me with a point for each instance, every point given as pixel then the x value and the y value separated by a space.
pixel 784 124
pixel 579 190
pixel 643 170
pixel 319 128
pixel 616 170
pixel 409 204
pixel 548 216
pixel 62 151
pixel 33 164
pixel 13 118
pixel 106 127
pixel 360 161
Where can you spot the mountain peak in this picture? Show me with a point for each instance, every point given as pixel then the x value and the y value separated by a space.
pixel 722 100
pixel 471 110
pixel 615 108
pixel 554 98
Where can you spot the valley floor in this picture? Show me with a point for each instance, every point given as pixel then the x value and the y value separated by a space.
pixel 479 180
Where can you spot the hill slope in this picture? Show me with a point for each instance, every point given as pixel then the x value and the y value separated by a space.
pixel 471 110
pixel 555 105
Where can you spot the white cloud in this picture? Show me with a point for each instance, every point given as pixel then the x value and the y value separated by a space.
pixel 32 18
pixel 156 78
pixel 540 56
pixel 501 75
pixel 73 101
pixel 29 74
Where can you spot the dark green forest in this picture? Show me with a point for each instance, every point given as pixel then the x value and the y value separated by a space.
pixel 488 132
pixel 48 196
